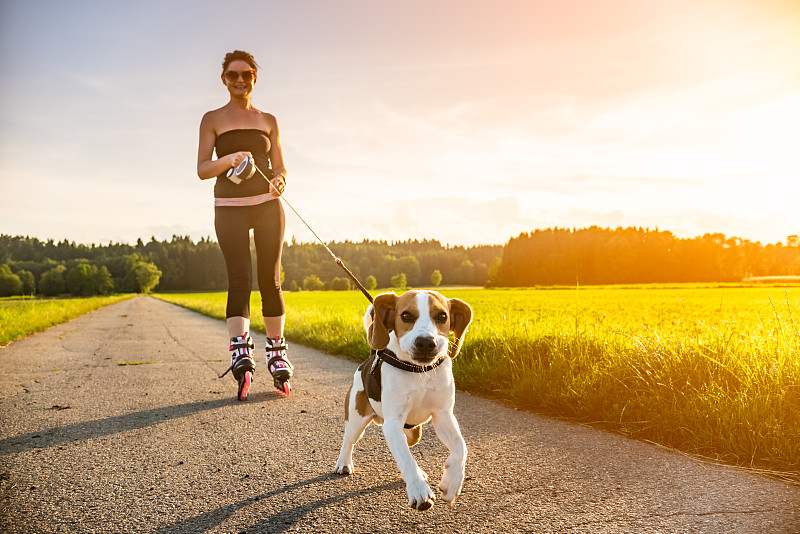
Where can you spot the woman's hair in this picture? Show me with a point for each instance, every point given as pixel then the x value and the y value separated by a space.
pixel 239 54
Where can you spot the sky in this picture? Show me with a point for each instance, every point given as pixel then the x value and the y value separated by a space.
pixel 463 121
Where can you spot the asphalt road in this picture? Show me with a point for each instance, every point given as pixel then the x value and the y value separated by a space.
pixel 87 445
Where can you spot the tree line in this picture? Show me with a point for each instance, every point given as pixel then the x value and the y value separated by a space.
pixel 413 263
pixel 594 255
pixel 557 256
pixel 31 266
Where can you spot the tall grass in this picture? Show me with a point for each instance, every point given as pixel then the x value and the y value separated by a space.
pixel 330 321
pixel 722 383
pixel 21 317
pixel 712 372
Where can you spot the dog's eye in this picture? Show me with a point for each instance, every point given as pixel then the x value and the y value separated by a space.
pixel 441 317
pixel 407 317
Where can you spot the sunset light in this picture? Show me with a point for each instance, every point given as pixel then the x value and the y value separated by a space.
pixel 250 249
pixel 677 115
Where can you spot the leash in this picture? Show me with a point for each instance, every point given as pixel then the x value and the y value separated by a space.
pixel 246 169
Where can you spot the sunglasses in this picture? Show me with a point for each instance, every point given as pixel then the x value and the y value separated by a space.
pixel 246 76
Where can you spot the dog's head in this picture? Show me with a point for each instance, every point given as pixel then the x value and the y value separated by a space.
pixel 422 322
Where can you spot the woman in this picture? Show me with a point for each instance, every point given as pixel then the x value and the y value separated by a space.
pixel 235 131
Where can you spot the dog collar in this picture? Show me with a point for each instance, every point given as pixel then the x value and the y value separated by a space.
pixel 391 358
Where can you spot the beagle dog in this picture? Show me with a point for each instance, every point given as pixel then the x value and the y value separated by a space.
pixel 408 381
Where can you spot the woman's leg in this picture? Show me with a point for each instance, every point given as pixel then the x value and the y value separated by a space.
pixel 233 236
pixel 274 326
pixel 238 326
pixel 268 232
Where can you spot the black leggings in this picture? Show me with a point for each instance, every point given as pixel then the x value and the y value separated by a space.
pixel 233 224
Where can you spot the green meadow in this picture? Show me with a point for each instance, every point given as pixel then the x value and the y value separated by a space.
pixel 20 317
pixel 713 372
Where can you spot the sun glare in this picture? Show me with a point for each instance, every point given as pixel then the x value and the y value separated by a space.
pixel 770 137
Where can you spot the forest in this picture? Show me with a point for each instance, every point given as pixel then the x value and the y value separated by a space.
pixel 557 256
pixel 31 266
pixel 596 255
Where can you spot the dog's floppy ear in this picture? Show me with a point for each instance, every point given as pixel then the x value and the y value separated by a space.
pixel 382 321
pixel 460 317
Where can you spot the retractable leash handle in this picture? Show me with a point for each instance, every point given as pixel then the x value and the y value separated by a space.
pixel 245 168
pixel 243 171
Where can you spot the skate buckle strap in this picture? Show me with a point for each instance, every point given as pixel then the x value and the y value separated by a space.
pixel 228 370
pixel 239 344
pixel 391 358
pixel 237 360
pixel 272 348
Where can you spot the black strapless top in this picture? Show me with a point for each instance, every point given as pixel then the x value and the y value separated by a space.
pixel 251 140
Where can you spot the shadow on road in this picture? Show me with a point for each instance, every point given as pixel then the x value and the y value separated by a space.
pixel 113 425
pixel 282 520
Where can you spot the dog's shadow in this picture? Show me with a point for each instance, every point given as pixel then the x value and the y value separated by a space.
pixel 121 423
pixel 282 520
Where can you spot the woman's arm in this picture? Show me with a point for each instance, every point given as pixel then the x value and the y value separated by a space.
pixel 276 155
pixel 206 166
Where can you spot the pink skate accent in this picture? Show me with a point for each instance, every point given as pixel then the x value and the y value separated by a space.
pixel 248 378
pixel 287 389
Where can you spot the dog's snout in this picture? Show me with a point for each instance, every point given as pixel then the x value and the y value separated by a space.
pixel 425 344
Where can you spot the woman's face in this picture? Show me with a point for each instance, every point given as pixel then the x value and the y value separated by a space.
pixel 239 78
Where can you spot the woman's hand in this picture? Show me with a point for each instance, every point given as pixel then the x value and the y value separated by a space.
pixel 237 157
pixel 279 183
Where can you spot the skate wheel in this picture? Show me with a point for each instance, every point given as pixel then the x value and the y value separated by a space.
pixel 285 388
pixel 244 387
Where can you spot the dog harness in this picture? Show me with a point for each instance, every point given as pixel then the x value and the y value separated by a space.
pixel 371 371
pixel 391 358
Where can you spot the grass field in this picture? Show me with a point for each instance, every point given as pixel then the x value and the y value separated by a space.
pixel 714 372
pixel 21 317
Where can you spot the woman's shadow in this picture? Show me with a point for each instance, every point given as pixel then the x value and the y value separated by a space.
pixel 120 423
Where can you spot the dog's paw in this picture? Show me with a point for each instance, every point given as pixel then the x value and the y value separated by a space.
pixel 420 495
pixel 449 495
pixel 450 486
pixel 344 469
